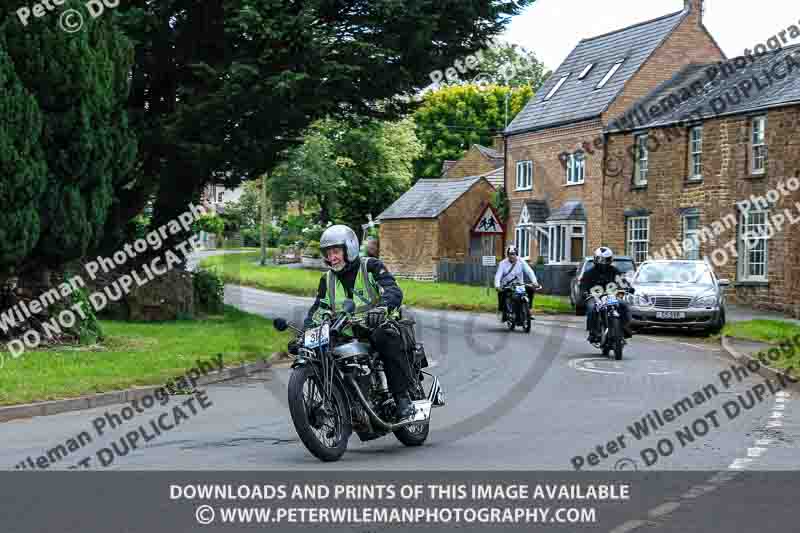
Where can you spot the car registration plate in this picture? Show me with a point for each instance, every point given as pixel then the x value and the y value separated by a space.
pixel 520 289
pixel 317 337
pixel 670 314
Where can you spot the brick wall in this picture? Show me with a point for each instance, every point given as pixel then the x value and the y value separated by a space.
pixel 474 163
pixel 549 174
pixel 455 223
pixel 410 247
pixel 726 181
pixel 689 43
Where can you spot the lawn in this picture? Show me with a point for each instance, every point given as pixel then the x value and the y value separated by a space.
pixel 772 332
pixel 137 354
pixel 242 269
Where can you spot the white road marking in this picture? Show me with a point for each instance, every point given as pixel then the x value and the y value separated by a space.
pixel 630 525
pixel 664 508
pixel 775 424
pixel 780 400
pixel 755 452
pixel 763 442
pixel 782 394
pixel 740 463
pixel 776 415
pixel 779 407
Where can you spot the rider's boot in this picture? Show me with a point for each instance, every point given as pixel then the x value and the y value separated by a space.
pixel 405 407
pixel 627 331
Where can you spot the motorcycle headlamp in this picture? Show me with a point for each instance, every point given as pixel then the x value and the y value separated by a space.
pixel 642 300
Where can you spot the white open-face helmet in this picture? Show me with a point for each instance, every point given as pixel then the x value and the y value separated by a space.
pixel 512 250
pixel 603 256
pixel 340 235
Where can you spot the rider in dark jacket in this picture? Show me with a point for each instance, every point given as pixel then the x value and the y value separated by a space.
pixel 597 281
pixel 375 289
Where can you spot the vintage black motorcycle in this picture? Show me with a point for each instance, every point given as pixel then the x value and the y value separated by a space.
pixel 609 322
pixel 338 385
pixel 516 313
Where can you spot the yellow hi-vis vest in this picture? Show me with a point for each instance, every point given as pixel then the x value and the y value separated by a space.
pixel 366 293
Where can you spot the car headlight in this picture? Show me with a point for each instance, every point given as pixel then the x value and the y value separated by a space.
pixel 642 300
pixel 705 301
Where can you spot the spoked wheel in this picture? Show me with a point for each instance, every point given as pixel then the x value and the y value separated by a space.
pixel 323 429
pixel 414 434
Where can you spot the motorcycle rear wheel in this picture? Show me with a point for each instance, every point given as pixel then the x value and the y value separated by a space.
pixel 414 434
pixel 307 413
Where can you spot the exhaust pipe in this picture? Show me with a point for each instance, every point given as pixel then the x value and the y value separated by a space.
pixel 422 407
pixel 436 395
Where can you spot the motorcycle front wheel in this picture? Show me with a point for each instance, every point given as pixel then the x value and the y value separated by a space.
pixel 618 339
pixel 323 430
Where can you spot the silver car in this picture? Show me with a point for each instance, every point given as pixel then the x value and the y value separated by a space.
pixel 675 293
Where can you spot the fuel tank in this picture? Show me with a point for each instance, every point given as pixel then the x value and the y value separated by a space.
pixel 351 349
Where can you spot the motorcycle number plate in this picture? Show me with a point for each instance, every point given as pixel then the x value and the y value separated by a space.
pixel 611 301
pixel 520 290
pixel 317 337
pixel 670 314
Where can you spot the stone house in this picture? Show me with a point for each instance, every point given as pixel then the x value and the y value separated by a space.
pixel 479 161
pixel 708 166
pixel 556 146
pixel 436 221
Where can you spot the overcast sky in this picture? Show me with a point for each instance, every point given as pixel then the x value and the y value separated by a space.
pixel 552 28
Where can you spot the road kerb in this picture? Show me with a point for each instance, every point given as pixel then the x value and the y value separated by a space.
pixel 53 407
pixel 763 370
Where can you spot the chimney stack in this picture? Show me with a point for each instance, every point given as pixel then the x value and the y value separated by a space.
pixel 695 8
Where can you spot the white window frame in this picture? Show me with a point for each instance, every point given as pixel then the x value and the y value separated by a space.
pixel 691 253
pixel 522 240
pixel 586 71
pixel 576 168
pixel 758 142
pixel 524 175
pixel 696 153
pixel 633 224
pixel 641 166
pixel 543 242
pixel 752 234
pixel 613 70
pixel 559 237
pixel 557 87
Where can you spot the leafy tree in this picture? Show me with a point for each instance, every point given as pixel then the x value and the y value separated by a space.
pixel 80 83
pixel 350 170
pixel 452 119
pixel 23 171
pixel 511 65
pixel 223 88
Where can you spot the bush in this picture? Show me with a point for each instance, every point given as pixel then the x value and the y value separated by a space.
pixel 251 238
pixel 209 291
pixel 210 224
pixel 312 250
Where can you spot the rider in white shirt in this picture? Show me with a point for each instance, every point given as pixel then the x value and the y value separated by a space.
pixel 510 269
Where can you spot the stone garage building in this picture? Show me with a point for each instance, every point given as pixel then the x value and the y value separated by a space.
pixel 433 222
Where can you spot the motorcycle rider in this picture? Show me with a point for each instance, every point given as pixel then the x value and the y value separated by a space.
pixel 377 297
pixel 510 269
pixel 597 281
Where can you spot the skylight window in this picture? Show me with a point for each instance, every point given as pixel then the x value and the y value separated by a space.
pixel 556 88
pixel 610 73
pixel 586 71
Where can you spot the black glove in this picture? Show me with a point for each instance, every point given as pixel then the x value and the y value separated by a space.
pixel 376 317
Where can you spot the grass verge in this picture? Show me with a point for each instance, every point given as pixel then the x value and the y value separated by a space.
pixel 242 269
pixel 772 332
pixel 136 354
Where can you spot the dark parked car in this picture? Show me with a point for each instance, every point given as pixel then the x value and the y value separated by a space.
pixel 626 265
